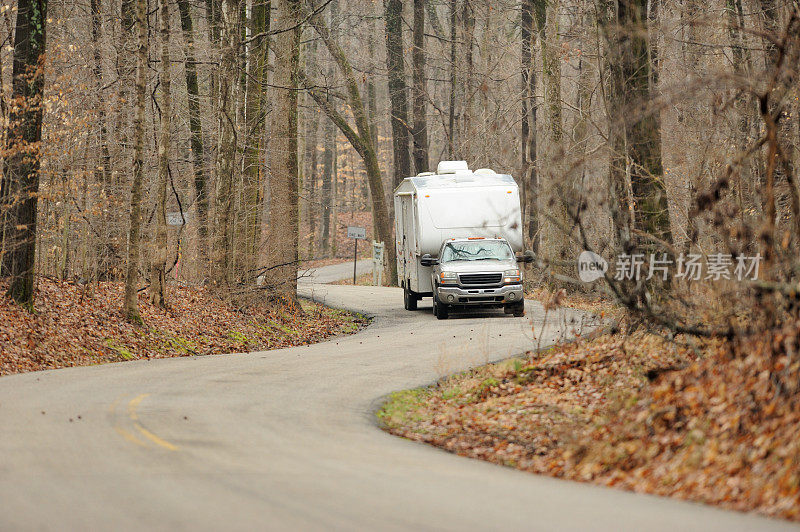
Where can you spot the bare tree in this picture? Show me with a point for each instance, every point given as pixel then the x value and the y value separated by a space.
pixel 158 258
pixel 131 303
pixel 635 142
pixel 20 184
pixel 104 245
pixel 195 128
pixel 397 89
pixel 420 132
pixel 528 171
pixel 283 182
pixel 226 150
pixel 258 52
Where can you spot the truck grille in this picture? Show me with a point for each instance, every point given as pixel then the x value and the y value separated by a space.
pixel 473 279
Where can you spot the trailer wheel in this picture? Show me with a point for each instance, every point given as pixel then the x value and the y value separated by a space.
pixel 440 310
pixel 409 298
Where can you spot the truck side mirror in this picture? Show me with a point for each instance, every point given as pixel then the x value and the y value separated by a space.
pixel 427 260
pixel 527 257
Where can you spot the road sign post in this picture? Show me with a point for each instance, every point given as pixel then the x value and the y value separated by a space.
pixel 377 263
pixel 356 233
pixel 177 218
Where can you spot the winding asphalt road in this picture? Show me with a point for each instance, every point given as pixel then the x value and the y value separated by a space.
pixel 287 440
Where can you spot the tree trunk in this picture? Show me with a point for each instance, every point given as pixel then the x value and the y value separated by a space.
pixel 467 83
pixel 528 129
pixel 255 120
pixel 311 183
pixel 131 304
pixel 283 182
pixel 420 133
pixel 158 265
pixel 195 132
pixel 327 184
pixel 329 162
pixel 635 174
pixel 106 262
pixel 213 19
pixel 553 183
pixel 310 174
pixel 644 132
pixel 430 6
pixel 397 89
pixel 452 142
pixel 20 186
pixel 226 151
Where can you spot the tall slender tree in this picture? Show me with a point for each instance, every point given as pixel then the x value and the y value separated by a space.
pixel 452 141
pixel 226 150
pixel 393 17
pixel 284 178
pixel 258 52
pixel 329 156
pixel 634 129
pixel 20 185
pixel 528 126
pixel 553 187
pixel 158 256
pixel 195 129
pixel 131 302
pixel 105 244
pixel 420 132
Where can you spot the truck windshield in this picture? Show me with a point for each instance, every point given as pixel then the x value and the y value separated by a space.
pixel 476 250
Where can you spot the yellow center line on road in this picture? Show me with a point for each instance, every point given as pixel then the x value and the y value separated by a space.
pixel 155 439
pixel 134 404
pixel 129 436
pixel 126 434
pixel 134 417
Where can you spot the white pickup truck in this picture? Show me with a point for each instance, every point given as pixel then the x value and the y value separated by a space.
pixel 458 235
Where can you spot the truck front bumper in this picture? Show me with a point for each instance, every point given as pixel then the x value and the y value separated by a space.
pixel 456 295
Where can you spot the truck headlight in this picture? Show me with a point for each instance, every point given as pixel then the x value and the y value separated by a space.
pixel 511 276
pixel 448 277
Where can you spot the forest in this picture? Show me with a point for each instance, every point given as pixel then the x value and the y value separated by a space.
pixel 221 141
pixel 170 169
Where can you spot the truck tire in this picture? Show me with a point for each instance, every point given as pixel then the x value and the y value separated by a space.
pixel 440 310
pixel 409 298
pixel 518 309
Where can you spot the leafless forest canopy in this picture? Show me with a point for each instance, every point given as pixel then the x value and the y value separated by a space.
pixel 223 141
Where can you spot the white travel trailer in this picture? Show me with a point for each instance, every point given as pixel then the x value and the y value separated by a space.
pixel 452 203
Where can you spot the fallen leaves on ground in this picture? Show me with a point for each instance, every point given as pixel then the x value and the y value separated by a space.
pixel 635 412
pixel 82 324
pixel 596 303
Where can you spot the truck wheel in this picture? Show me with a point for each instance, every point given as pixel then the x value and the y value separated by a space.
pixel 409 299
pixel 440 310
pixel 518 309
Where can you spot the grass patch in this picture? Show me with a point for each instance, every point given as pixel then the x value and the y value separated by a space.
pixel 402 408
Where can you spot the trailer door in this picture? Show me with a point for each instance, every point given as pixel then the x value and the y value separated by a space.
pixel 408 241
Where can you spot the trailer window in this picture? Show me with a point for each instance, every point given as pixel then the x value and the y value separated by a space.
pixel 476 250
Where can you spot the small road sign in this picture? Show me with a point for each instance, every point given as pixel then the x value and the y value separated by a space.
pixel 377 262
pixel 175 218
pixel 359 233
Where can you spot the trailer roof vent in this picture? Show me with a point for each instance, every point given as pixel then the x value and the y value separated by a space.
pixel 485 171
pixel 423 174
pixel 463 177
pixel 451 167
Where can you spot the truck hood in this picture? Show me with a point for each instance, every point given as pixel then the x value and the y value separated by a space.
pixel 479 266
